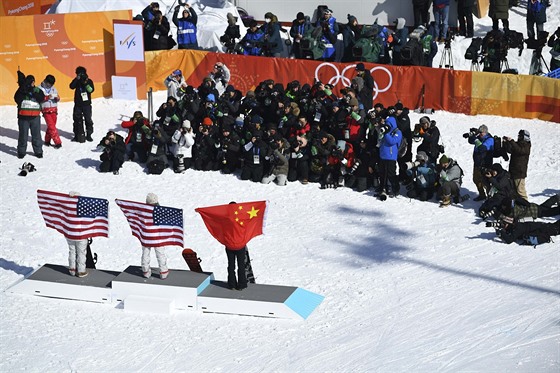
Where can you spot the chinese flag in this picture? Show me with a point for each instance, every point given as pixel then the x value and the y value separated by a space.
pixel 235 224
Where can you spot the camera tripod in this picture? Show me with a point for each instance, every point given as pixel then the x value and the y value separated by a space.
pixel 537 61
pixel 446 58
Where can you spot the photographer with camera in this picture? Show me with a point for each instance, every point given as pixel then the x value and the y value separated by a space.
pixel 169 117
pixel 137 139
pixel 114 150
pixel 156 32
pixel 272 41
pixel 483 156
pixel 355 129
pixel 157 150
pixel 186 26
pixel 220 75
pixel 554 43
pixel 229 154
pixel 149 12
pixel 427 130
pixel 254 153
pixel 28 99
pixel 175 84
pixel 366 93
pixel 189 104
pixel 422 177
pixel 329 31
pixel 181 147
pixel 450 178
pixel 518 164
pixel 253 40
pixel 278 161
pixel 536 15
pixel 499 185
pixel 230 102
pixel 390 140
pixel 206 146
pixel 83 88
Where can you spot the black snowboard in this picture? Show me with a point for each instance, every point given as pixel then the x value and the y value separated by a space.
pixel 90 259
pixel 249 268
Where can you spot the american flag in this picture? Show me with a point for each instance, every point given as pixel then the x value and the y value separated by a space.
pixel 75 217
pixel 153 225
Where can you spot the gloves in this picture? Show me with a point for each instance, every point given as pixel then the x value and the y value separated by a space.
pixel 477 143
pixel 355 115
pixel 145 129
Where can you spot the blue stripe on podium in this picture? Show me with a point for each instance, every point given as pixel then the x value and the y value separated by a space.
pixel 303 302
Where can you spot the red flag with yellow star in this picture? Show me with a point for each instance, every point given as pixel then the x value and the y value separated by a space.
pixel 235 224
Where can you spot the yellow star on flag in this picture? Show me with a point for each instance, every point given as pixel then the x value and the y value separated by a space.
pixel 253 212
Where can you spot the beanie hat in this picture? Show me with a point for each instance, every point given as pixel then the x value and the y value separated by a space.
pixel 257 119
pixel 497 167
pixel 351 18
pixel 399 106
pixel 177 72
pixel 207 121
pixel 239 122
pixel 525 135
pixel 152 199
pixel 186 124
pixel 360 67
pixel 483 129
pixel 211 97
pixel 50 79
pixel 443 159
pixel 230 88
pixel 422 156
pixel 425 120
pixel 353 102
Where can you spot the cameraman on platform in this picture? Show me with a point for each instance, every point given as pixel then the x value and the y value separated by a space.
pixel 272 42
pixel 114 150
pixel 83 88
pixel 483 156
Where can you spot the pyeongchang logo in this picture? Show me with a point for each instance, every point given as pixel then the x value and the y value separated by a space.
pixel 129 41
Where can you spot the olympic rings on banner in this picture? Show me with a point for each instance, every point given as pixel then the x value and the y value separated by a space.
pixel 340 77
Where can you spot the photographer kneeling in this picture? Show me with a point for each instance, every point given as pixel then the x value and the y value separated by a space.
pixel 450 180
pixel 422 176
pixel 114 150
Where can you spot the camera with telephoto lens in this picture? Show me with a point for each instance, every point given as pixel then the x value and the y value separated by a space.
pixel 384 129
pixel 27 168
pixel 472 132
pixel 495 224
pixel 411 165
pixel 355 166
pixel 83 77
pixel 485 214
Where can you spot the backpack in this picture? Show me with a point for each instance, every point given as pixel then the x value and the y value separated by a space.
pixel 156 167
pixel 473 51
pixel 403 146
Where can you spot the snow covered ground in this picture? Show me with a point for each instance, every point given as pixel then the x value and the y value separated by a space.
pixel 408 287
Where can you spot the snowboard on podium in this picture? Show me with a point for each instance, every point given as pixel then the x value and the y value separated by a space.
pixel 248 268
pixel 193 261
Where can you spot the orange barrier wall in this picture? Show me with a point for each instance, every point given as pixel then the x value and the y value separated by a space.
pixel 520 96
pixel 56 44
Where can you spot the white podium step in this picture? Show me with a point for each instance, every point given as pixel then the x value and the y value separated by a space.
pixel 181 286
pixel 52 280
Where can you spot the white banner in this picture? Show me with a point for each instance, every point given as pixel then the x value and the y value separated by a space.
pixel 129 45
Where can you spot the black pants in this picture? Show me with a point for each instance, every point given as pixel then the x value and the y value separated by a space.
pixel 495 26
pixel 236 256
pixel 80 115
pixel 421 14
pixel 465 15
pixel 389 176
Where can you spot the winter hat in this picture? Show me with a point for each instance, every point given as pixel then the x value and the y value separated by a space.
pixel 497 167
pixel 231 19
pixel 400 22
pixel 211 97
pixel 399 106
pixel 353 102
pixel 483 129
pixel 80 70
pixel 207 121
pixel 50 79
pixel 443 159
pixel 360 67
pixel 257 119
pixel 230 88
pixel 351 18
pixel 186 124
pixel 425 120
pixel 525 135
pixel 239 122
pixel 422 156
pixel 152 199
pixel 177 72
pixel 327 11
pixel 300 16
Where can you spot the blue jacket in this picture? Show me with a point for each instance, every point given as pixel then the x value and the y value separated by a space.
pixel 536 11
pixel 186 28
pixel 272 35
pixel 483 154
pixel 329 36
pixel 389 146
pixel 425 175
pixel 251 43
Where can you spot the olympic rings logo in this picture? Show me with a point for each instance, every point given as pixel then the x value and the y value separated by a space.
pixel 340 77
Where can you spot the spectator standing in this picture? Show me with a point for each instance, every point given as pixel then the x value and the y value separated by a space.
pixel 49 107
pixel 441 16
pixel 329 28
pixel 421 9
pixel 483 155
pixel 350 33
pixel 518 164
pixel 499 10
pixel 272 45
pixel 300 26
pixel 186 27
pixel 400 37
pixel 366 93
pixel 554 44
pixel 175 84
pixel 157 32
pixel 536 15
pixel 28 99
pixel 465 15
